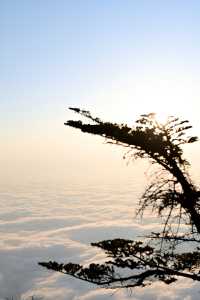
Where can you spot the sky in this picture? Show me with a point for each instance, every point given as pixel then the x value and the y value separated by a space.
pixel 118 59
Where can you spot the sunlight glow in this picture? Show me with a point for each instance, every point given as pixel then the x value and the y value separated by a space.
pixel 161 117
pixel 159 94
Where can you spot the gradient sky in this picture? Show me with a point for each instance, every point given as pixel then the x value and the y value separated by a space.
pixel 117 58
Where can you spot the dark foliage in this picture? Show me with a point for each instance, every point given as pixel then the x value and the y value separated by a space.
pixel 145 262
pixel 171 194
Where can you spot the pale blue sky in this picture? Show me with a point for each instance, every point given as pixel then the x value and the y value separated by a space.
pixel 69 49
pixel 117 58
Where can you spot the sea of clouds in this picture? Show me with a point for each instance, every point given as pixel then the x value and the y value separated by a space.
pixel 41 222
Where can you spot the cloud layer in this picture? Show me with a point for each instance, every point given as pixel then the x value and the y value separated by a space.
pixel 48 223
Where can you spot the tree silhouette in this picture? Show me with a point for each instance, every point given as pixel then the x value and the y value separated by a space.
pixel 171 194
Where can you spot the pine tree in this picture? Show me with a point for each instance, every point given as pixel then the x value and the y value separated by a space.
pixel 171 195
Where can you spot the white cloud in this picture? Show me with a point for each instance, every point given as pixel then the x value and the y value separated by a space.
pixel 50 225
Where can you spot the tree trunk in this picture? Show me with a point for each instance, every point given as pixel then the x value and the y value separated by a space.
pixel 190 197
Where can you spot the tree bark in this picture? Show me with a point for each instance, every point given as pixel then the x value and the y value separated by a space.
pixel 190 196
